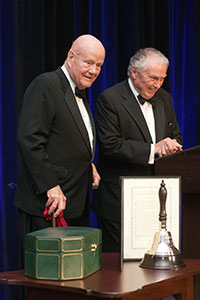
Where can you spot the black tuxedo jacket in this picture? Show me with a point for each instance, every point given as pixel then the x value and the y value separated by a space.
pixel 125 142
pixel 54 146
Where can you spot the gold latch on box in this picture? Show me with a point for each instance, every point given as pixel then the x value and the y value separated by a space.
pixel 94 247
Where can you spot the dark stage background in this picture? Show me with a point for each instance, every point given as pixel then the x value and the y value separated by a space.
pixel 35 36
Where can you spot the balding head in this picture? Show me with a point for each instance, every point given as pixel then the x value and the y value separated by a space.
pixel 84 60
pixel 86 41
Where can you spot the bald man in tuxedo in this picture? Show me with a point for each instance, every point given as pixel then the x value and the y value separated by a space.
pixel 56 138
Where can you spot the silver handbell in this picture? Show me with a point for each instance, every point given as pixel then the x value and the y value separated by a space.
pixel 163 254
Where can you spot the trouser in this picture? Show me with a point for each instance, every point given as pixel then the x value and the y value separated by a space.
pixel 111 234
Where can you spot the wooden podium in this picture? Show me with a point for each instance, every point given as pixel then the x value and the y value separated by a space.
pixel 187 165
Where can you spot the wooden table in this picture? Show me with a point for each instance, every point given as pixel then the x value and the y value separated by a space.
pixel 109 283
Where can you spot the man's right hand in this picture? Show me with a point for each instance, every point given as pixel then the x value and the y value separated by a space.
pixel 167 146
pixel 57 200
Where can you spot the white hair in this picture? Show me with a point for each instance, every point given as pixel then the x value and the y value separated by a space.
pixel 139 59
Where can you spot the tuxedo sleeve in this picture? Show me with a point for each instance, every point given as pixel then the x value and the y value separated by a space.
pixel 172 127
pixel 34 129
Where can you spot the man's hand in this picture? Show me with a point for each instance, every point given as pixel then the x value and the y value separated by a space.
pixel 167 146
pixel 96 177
pixel 57 200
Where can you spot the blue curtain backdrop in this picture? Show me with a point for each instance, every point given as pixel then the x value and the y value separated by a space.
pixel 9 242
pixel 35 36
pixel 183 71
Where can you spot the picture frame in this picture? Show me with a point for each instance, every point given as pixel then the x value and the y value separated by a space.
pixel 140 207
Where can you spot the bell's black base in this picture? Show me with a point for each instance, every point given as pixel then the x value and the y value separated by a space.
pixel 162 262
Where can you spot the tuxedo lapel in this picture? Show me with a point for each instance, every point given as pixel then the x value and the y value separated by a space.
pixel 159 116
pixel 70 101
pixel 133 108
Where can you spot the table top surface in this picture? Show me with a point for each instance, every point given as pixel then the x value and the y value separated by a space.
pixel 109 280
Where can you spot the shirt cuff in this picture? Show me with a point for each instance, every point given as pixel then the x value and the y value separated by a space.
pixel 152 154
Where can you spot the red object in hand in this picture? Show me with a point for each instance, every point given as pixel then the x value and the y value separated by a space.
pixel 60 220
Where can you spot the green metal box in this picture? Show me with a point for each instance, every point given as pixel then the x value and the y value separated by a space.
pixel 63 253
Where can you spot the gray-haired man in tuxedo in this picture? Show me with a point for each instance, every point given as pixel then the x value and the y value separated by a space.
pixel 135 122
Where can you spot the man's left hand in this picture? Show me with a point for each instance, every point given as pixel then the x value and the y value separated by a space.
pixel 96 177
pixel 57 200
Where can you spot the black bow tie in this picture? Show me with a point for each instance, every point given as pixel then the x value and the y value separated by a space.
pixel 80 93
pixel 142 100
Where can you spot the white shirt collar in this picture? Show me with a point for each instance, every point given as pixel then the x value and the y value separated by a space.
pixel 135 93
pixel 72 84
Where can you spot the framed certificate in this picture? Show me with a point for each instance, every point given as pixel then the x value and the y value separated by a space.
pixel 140 207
